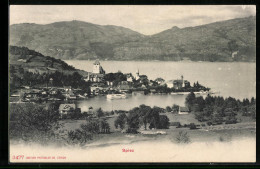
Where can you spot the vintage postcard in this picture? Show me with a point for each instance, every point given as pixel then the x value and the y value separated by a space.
pixel 132 83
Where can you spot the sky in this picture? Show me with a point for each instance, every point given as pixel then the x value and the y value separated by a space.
pixel 145 19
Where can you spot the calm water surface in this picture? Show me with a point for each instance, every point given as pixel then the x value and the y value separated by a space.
pixel 230 79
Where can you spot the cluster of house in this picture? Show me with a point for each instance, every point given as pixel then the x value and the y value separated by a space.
pixel 28 94
pixel 68 108
pixel 99 85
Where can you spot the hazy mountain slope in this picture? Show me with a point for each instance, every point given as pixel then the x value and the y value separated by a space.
pixel 211 42
pixel 81 40
pixel 71 40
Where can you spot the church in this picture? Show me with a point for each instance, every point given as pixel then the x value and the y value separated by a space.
pixel 97 73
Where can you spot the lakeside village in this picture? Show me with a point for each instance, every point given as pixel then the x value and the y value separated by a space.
pixel 113 85
pixel 58 120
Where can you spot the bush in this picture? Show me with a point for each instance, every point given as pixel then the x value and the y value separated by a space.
pixel 192 126
pixel 78 137
pixel 168 109
pixel 100 112
pixel 175 124
pixel 132 130
pixel 175 108
pixel 112 112
pixel 86 131
pixel 183 137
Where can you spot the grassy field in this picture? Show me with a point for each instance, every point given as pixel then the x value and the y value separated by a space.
pixel 182 118
pixel 220 133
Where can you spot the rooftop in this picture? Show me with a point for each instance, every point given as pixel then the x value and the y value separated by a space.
pixel 97 62
pixel 67 106
pixel 184 109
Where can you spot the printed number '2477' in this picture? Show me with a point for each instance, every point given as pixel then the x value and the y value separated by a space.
pixel 19 157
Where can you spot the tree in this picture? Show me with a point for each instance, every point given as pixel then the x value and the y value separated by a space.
pixel 133 121
pixel 12 69
pixel 154 119
pixel 232 46
pixel 144 114
pixel 192 126
pixel 163 122
pixel 200 104
pixel 121 121
pixel 217 118
pixel 79 136
pixel 189 101
pixel 168 109
pixel 252 100
pixel 175 108
pixel 91 127
pixel 104 126
pixel 100 112
pixel 21 70
pixel 245 102
pixel 209 100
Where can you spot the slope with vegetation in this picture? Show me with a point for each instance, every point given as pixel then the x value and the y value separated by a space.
pixel 80 40
pixel 22 60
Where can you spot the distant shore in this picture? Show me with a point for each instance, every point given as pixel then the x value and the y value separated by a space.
pixel 182 61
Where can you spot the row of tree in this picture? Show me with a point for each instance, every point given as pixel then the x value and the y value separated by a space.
pixel 59 79
pixel 40 123
pixel 142 115
pixel 86 131
pixel 219 109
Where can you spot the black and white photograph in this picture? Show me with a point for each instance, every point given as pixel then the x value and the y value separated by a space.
pixel 132 83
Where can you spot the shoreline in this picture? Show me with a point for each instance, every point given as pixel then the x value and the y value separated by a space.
pixel 182 61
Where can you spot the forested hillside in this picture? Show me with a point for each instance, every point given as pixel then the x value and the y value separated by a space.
pixel 231 40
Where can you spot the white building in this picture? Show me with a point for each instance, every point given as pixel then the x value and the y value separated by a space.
pixel 169 84
pixel 129 77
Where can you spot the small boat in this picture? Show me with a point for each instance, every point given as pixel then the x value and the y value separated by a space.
pixel 116 96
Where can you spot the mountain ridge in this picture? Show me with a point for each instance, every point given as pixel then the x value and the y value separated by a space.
pixel 83 40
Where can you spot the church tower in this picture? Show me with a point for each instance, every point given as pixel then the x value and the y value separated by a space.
pixel 182 81
pixel 137 75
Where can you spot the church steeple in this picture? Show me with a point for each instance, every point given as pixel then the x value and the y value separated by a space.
pixel 137 74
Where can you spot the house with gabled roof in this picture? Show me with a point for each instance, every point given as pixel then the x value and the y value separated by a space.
pixel 64 109
pixel 183 110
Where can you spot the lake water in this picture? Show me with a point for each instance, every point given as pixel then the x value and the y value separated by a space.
pixel 229 79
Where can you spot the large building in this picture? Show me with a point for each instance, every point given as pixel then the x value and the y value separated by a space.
pixel 178 84
pixel 97 68
pixel 97 73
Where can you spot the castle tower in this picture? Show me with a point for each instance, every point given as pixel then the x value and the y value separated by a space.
pixel 96 67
